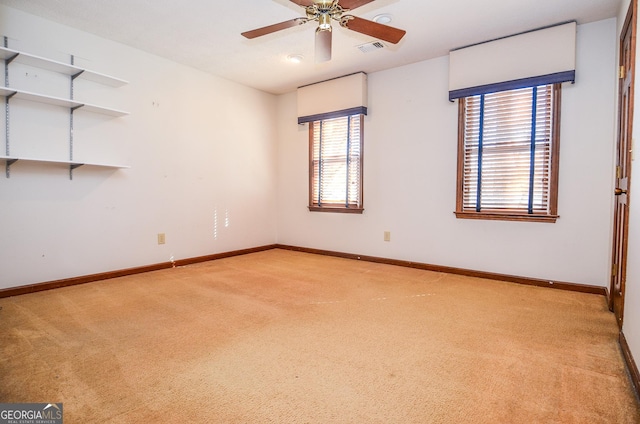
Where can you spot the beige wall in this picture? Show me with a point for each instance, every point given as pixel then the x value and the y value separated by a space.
pixel 201 151
pixel 410 178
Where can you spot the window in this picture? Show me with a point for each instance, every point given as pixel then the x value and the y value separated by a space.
pixel 335 164
pixel 508 144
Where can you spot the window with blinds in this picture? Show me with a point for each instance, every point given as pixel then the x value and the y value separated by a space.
pixel 507 154
pixel 335 168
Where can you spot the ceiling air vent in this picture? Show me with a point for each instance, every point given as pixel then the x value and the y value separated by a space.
pixel 369 47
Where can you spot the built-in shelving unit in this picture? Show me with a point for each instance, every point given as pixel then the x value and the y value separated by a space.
pixel 13 56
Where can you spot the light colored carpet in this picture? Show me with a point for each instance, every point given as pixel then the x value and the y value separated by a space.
pixel 290 337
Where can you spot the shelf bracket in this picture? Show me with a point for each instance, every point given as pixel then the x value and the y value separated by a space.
pixel 72 167
pixel 11 58
pixel 9 163
pixel 76 75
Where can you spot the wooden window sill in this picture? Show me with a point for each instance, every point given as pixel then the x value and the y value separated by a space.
pixel 502 216
pixel 335 209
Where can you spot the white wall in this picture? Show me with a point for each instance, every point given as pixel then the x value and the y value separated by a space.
pixel 410 178
pixel 631 325
pixel 202 152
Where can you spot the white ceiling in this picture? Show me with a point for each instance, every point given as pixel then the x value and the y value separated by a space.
pixel 205 34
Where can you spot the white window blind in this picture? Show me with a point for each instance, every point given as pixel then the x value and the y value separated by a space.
pixel 507 161
pixel 336 162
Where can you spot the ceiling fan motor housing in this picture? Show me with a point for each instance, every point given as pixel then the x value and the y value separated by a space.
pixel 325 10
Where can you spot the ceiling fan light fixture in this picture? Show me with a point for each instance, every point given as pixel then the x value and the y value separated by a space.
pixel 295 58
pixel 383 18
pixel 323 45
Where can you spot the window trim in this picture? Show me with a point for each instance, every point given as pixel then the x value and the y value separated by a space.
pixel 333 207
pixel 506 215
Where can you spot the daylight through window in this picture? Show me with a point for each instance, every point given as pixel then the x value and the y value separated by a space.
pixel 335 168
pixel 507 154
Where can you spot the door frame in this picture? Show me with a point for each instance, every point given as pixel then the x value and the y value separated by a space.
pixel 620 245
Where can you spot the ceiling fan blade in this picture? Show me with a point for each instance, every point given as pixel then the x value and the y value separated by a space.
pixel 303 3
pixel 374 29
pixel 323 45
pixel 352 4
pixel 275 27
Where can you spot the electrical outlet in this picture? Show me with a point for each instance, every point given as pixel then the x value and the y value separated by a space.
pixel 161 238
pixel 387 236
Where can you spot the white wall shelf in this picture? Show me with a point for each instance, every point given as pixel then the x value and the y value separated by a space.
pixel 10 56
pixel 72 163
pixel 58 101
pixel 55 66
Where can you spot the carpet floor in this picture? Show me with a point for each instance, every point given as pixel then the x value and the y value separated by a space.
pixel 290 337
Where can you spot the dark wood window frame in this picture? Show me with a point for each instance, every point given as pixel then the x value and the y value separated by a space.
pixel 505 214
pixel 347 207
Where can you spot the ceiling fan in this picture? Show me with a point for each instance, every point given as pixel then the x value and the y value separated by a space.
pixel 323 11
